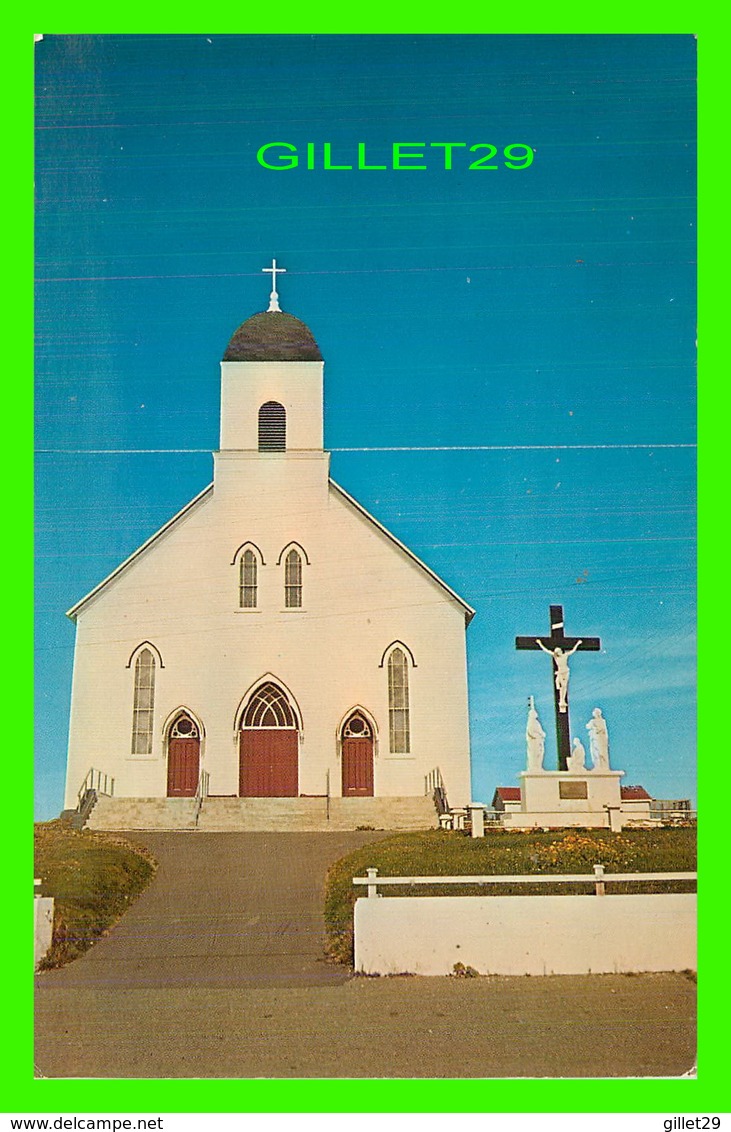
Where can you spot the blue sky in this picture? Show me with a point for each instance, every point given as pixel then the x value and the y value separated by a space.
pixel 531 331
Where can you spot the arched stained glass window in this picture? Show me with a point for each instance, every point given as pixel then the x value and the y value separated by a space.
pixel 184 728
pixel 357 727
pixel 272 427
pixel 398 703
pixel 293 581
pixel 269 707
pixel 247 580
pixel 144 703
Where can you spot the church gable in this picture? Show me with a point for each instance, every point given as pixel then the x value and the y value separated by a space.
pixel 407 556
pixel 214 534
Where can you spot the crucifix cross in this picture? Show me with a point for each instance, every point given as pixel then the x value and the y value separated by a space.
pixel 560 648
pixel 274 271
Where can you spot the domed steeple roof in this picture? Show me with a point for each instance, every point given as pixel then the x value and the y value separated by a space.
pixel 272 336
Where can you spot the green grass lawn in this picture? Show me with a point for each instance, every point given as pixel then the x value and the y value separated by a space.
pixel 440 852
pixel 93 877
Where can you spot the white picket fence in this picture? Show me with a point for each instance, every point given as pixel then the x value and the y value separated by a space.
pixel 599 878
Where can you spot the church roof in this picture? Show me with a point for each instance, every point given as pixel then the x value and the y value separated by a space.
pixel 273 336
pixel 199 498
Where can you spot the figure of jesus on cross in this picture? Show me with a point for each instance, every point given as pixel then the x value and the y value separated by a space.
pixel 560 671
pixel 560 648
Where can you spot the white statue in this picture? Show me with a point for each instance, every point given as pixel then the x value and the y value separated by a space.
pixel 535 738
pixel 577 758
pixel 598 740
pixel 560 671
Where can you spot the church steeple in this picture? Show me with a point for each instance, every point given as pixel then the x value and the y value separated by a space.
pixel 272 358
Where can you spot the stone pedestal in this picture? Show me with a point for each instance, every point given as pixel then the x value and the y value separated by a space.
pixel 477 815
pixel 564 798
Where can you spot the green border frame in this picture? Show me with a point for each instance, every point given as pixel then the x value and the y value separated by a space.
pixel 24 1094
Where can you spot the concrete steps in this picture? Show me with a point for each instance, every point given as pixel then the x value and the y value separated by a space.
pixel 384 813
pixel 310 814
pixel 221 815
pixel 142 813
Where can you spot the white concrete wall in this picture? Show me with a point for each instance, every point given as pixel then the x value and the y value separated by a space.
pixel 636 810
pixel 525 935
pixel 42 926
pixel 557 819
pixel 360 594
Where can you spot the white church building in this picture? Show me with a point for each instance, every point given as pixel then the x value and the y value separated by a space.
pixel 272 639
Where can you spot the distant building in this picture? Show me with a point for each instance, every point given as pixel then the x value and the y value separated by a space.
pixel 636 802
pixel 506 798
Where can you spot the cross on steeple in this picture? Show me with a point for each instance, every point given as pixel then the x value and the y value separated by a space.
pixel 274 271
pixel 565 646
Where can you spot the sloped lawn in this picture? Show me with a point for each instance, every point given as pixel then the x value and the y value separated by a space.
pixel 446 853
pixel 93 877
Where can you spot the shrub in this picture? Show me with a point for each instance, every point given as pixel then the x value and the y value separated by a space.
pixel 93 877
pixel 574 851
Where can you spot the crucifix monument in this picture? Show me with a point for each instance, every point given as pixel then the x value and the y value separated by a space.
pixel 560 647
pixel 574 794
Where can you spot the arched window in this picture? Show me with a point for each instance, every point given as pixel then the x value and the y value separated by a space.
pixel 247 580
pixel 269 707
pixel 357 727
pixel 272 427
pixel 293 581
pixel 183 728
pixel 398 703
pixel 144 703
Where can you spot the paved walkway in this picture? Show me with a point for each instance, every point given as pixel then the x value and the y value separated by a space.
pixel 224 910
pixel 216 971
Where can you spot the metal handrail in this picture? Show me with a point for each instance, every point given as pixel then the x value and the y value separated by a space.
pixel 433 781
pixel 200 793
pixel 434 785
pixel 97 780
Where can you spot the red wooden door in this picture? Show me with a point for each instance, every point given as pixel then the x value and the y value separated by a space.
pixel 268 763
pixel 358 767
pixel 183 767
